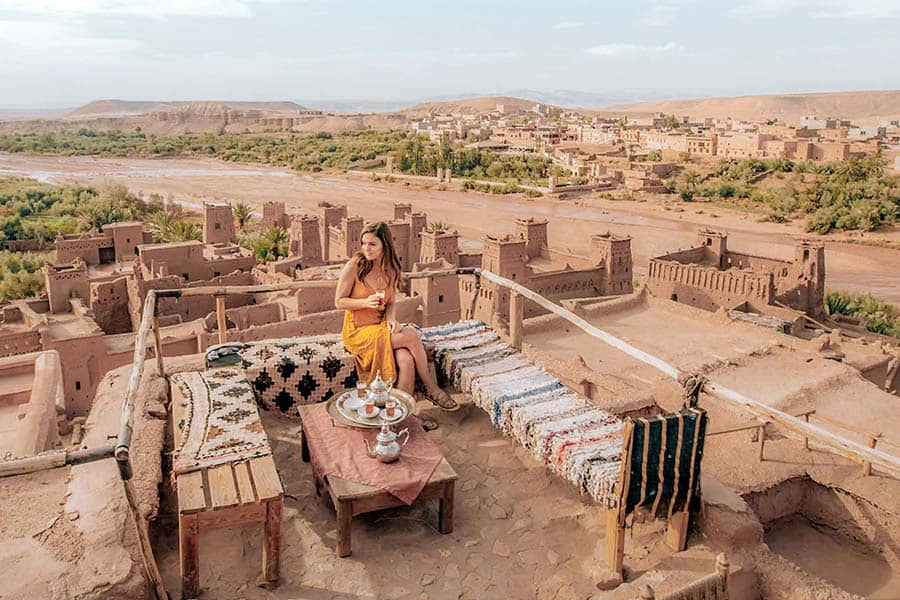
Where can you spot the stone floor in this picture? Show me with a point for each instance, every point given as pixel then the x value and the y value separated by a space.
pixel 519 532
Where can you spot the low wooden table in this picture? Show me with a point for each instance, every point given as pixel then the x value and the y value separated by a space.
pixel 229 495
pixel 351 498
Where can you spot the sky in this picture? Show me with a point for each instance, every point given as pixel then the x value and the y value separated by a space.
pixel 63 53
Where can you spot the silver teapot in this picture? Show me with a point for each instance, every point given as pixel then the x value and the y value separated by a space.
pixel 387 448
pixel 379 390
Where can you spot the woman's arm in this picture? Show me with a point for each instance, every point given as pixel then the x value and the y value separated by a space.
pixel 342 299
pixel 390 315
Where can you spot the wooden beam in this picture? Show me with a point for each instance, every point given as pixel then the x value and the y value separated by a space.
pixel 157 346
pixel 677 530
pixel 516 316
pixel 220 318
pixel 272 542
pixel 615 541
pixel 842 446
pixel 123 442
pixel 848 448
pixel 189 551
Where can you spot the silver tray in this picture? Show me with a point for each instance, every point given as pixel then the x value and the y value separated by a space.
pixel 341 414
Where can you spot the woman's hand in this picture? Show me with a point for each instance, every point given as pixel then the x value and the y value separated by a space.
pixel 374 301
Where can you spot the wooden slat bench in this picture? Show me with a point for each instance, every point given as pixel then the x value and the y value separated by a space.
pixel 229 495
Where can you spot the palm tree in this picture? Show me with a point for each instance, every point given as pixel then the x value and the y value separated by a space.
pixel 242 215
pixel 161 223
pixel 691 178
pixel 183 231
pixel 278 240
pixel 96 214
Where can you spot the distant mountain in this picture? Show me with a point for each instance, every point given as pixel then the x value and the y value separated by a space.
pixel 469 105
pixel 868 106
pixel 590 100
pixel 356 106
pixel 110 108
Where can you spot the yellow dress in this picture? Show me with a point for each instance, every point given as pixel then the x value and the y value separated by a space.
pixel 367 337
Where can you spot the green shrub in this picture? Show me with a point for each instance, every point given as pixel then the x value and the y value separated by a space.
pixel 879 317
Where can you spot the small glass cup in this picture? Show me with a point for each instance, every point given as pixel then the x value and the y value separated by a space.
pixel 381 295
pixel 368 409
pixel 390 408
pixel 361 390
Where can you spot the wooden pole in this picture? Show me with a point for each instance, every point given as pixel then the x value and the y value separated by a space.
pixel 123 445
pixel 806 438
pixel 841 446
pixel 134 381
pixel 516 316
pixel 844 447
pixel 867 466
pixel 220 318
pixel 762 440
pixel 722 567
pixel 157 346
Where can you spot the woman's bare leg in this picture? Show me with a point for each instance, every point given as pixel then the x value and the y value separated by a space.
pixel 406 370
pixel 408 339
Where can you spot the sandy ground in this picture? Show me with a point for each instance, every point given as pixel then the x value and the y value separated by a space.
pixel 654 229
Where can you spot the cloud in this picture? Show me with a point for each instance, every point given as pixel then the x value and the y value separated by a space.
pixel 23 41
pixel 820 9
pixel 661 14
pixel 135 8
pixel 568 25
pixel 627 50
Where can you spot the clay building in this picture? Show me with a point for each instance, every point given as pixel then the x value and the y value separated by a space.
pixel 117 243
pixel 306 239
pixel 526 258
pixel 218 223
pixel 709 276
pixel 274 215
pixel 185 264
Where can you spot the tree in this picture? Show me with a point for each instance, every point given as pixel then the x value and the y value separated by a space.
pixel 184 231
pixel 242 215
pixel 161 223
pixel 691 179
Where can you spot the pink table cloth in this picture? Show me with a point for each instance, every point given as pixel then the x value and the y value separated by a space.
pixel 336 449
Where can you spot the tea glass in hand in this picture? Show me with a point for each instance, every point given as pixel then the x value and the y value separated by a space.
pixel 381 295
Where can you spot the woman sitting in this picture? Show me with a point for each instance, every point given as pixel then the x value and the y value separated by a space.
pixel 366 291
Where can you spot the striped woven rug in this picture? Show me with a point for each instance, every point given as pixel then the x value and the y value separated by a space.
pixel 576 440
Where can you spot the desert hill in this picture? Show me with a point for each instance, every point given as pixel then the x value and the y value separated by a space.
pixel 107 108
pixel 469 105
pixel 786 107
pixel 181 117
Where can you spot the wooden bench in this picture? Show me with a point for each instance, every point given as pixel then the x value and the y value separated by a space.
pixel 351 499
pixel 229 495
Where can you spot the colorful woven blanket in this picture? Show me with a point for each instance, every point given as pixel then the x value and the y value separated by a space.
pixel 570 435
pixel 221 423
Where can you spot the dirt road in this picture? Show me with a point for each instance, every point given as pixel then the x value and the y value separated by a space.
pixel 654 227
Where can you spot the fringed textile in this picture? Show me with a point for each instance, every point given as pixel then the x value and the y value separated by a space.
pixel 221 423
pixel 710 587
pixel 576 440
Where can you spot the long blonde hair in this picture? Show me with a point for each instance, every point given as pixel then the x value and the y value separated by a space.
pixel 390 264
